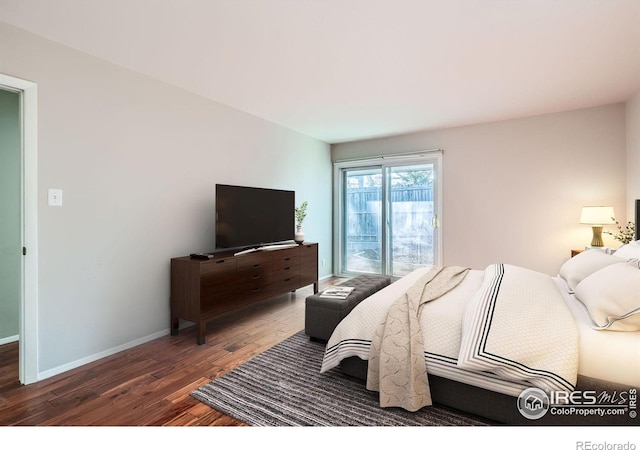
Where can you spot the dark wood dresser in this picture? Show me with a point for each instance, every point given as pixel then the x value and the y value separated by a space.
pixel 204 289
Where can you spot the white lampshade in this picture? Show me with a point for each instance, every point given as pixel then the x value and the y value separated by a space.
pixel 597 215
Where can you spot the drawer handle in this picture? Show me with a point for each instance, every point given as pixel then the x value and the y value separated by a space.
pixel 254 290
pixel 255 277
pixel 256 265
pixel 287 259
pixel 220 261
pixel 287 268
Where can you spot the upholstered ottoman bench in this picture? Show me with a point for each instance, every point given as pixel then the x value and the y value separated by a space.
pixel 322 315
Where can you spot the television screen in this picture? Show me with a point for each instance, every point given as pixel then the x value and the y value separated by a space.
pixel 248 216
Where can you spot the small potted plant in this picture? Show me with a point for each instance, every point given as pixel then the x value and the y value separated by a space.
pixel 301 213
pixel 625 236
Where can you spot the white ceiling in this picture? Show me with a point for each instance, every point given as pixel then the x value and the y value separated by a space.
pixel 342 70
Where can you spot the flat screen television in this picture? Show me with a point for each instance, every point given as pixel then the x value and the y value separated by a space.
pixel 251 216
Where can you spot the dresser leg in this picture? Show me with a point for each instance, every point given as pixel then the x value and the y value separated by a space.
pixel 202 327
pixel 175 326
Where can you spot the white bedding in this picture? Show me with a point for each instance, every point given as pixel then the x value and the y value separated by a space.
pixel 605 355
pixel 513 326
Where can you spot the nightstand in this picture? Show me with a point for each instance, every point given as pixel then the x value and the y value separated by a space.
pixel 575 252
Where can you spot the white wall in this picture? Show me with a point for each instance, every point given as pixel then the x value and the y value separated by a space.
pixel 138 161
pixel 513 190
pixel 633 153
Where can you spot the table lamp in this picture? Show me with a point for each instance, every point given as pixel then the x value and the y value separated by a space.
pixel 597 216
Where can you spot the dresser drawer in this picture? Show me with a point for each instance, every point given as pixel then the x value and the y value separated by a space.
pixel 218 267
pixel 293 261
pixel 254 260
pixel 285 273
pixel 309 251
pixel 286 258
pixel 253 267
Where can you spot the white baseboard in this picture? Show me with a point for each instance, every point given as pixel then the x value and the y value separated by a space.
pixel 9 340
pixel 89 359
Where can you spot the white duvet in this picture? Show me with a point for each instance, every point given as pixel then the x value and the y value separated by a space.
pixel 503 329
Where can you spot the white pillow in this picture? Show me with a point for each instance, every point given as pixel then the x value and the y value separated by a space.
pixel 584 264
pixel 629 251
pixel 612 297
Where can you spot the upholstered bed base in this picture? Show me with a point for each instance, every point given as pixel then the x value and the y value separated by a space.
pixel 501 407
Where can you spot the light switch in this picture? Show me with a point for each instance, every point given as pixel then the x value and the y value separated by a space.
pixel 55 197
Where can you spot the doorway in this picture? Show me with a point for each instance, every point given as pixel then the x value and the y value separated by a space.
pixel 22 263
pixel 10 233
pixel 388 215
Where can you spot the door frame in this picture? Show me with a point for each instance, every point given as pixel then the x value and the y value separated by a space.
pixel 428 156
pixel 28 335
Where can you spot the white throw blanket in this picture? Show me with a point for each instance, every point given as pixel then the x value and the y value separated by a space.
pixel 397 368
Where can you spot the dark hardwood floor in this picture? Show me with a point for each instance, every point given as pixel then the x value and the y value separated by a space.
pixel 150 384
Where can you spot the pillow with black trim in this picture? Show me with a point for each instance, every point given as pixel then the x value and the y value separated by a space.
pixel 584 264
pixel 612 297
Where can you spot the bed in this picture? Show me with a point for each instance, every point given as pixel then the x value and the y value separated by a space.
pixel 504 330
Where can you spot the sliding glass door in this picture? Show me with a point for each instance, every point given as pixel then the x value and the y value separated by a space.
pixel 411 218
pixel 362 226
pixel 388 216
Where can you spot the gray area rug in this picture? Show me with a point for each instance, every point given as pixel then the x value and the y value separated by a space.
pixel 284 387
